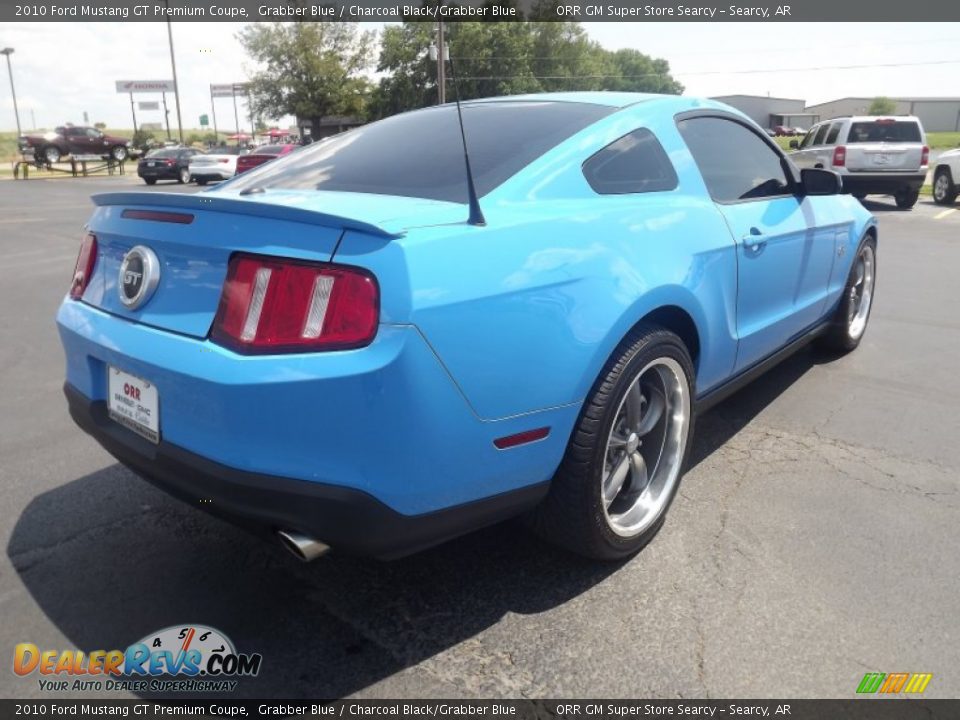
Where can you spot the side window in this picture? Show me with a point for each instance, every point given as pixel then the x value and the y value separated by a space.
pixel 635 163
pixel 808 138
pixel 821 134
pixel 735 162
pixel 834 133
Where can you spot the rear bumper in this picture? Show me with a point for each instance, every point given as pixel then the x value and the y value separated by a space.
pixel 211 173
pixel 348 520
pixel 385 422
pixel 882 183
pixel 161 173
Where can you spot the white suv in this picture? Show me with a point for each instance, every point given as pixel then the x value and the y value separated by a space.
pixel 881 155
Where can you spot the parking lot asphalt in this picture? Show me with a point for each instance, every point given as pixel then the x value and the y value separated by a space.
pixel 814 539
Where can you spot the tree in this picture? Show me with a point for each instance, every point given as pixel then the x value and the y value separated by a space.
pixel 505 58
pixel 310 70
pixel 882 106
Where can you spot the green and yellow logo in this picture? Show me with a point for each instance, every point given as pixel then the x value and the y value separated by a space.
pixel 894 683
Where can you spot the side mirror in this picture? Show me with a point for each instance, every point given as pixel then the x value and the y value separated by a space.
pixel 794 144
pixel 816 181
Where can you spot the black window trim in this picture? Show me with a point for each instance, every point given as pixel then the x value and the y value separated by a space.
pixel 788 167
pixel 676 178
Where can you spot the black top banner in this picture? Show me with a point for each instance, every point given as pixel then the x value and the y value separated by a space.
pixel 478 10
pixel 861 709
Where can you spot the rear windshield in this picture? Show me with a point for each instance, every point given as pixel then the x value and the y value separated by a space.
pixel 884 131
pixel 420 154
pixel 168 153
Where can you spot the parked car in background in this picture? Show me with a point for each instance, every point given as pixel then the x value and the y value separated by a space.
pixel 783 130
pixel 346 348
pixel 262 154
pixel 874 155
pixel 770 132
pixel 946 178
pixel 75 140
pixel 219 163
pixel 799 131
pixel 166 164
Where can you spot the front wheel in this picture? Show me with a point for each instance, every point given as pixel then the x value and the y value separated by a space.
pixel 119 153
pixel 201 181
pixel 850 320
pixel 51 154
pixel 622 466
pixel 944 191
pixel 906 199
pixel 184 176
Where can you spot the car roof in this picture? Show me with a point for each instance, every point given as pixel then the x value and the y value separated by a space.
pixel 618 100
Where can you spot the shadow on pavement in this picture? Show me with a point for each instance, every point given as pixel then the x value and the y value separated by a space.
pixel 109 559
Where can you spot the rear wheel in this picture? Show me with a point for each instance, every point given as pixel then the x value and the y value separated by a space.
pixel 850 320
pixel 944 191
pixel 201 181
pixel 622 466
pixel 906 199
pixel 150 181
pixel 119 153
pixel 859 196
pixel 184 176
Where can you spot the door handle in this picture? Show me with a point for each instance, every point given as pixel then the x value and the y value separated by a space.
pixel 755 241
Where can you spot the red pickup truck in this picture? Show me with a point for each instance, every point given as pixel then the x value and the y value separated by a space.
pixel 75 140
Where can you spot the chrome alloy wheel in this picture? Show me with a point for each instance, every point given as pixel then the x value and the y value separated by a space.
pixel 861 292
pixel 645 448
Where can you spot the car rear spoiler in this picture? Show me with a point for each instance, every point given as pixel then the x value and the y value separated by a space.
pixel 258 205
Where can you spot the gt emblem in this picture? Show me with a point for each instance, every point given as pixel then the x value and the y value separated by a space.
pixel 139 276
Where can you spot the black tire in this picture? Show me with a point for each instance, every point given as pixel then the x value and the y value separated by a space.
pixel 201 181
pixel 573 514
pixel 119 153
pixel 183 177
pixel 906 199
pixel 51 154
pixel 150 181
pixel 838 337
pixel 859 196
pixel 944 190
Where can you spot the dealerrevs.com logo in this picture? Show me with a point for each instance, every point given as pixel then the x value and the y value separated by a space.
pixel 180 658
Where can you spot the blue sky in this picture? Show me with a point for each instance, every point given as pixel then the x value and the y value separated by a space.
pixel 64 69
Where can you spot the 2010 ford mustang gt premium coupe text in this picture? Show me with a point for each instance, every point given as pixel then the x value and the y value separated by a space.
pixel 353 347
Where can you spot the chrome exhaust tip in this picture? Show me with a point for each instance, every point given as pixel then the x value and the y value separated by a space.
pixel 303 547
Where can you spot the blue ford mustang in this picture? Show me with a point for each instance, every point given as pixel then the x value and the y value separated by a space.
pixel 329 348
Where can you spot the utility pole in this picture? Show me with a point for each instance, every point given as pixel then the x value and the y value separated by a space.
pixel 16 111
pixel 441 65
pixel 173 65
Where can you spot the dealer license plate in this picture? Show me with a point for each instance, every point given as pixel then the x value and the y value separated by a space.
pixel 133 402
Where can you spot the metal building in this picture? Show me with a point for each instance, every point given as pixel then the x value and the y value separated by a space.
pixel 769 112
pixel 938 114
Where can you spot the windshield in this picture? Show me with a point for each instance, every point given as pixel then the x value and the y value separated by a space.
pixel 420 154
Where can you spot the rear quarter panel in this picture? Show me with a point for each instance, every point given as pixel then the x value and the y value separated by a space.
pixel 525 312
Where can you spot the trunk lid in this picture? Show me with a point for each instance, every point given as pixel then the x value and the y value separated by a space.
pixel 193 237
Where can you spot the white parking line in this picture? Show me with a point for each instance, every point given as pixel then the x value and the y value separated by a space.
pixel 945 213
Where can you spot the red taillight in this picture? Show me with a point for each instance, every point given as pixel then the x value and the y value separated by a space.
pixel 277 305
pixel 925 156
pixel 839 156
pixel 171 161
pixel 83 270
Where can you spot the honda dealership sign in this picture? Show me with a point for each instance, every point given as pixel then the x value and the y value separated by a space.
pixel 141 86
